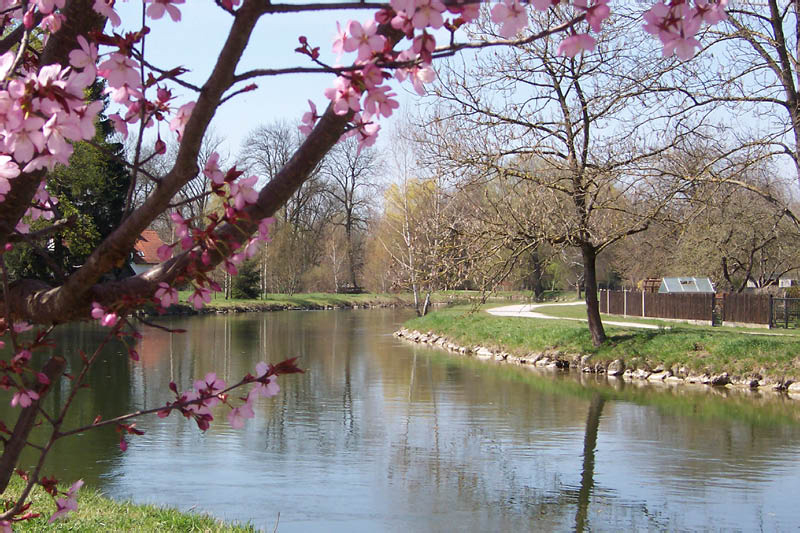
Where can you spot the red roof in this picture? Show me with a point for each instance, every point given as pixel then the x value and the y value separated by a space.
pixel 147 248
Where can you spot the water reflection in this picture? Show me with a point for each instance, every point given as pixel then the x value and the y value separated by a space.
pixel 380 435
pixel 587 472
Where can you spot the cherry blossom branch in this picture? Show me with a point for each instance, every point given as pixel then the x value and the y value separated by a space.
pixel 189 200
pixel 56 227
pixel 140 57
pixel 142 124
pixel 130 416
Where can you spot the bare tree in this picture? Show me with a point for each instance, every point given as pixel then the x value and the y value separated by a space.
pixel 350 174
pixel 566 134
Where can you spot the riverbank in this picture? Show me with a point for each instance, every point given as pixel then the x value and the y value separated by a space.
pixel 98 513
pixel 681 354
pixel 321 301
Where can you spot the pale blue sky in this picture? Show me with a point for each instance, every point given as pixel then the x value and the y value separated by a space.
pixel 195 40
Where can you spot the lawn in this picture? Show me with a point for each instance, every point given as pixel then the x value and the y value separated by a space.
pixel 700 349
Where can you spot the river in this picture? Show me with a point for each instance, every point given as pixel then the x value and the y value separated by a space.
pixel 380 435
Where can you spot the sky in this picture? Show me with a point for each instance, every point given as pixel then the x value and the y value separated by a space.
pixel 195 41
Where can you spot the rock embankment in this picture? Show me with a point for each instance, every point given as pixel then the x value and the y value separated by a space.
pixel 656 373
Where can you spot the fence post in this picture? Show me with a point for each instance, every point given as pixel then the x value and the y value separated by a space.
pixel 625 302
pixel 608 305
pixel 643 315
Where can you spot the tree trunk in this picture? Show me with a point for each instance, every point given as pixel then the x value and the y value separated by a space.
pixel 592 305
pixel 426 304
pixel 16 442
pixel 537 276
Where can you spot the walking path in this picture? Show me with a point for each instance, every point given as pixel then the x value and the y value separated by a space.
pixel 527 311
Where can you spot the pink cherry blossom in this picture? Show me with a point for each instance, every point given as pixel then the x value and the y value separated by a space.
pixel 106 8
pixel 84 57
pixel 267 388
pixel 119 124
pixel 339 40
pixel 712 13
pixel 6 62
pixel 70 503
pixel 202 407
pixel 468 11
pixel 52 22
pixel 24 398
pixel 119 70
pixel 595 14
pixel 106 319
pixel 372 75
pixel 575 44
pixel 157 8
pixel 379 101
pixel 166 295
pixel 243 192
pixel 239 415
pixel 27 140
pixel 8 168
pixel 178 123
pixel 345 98
pixel 677 24
pixel 511 16
pixel 210 384
pixel 212 171
pixel 428 14
pixel 309 119
pixel 164 252
pixel 181 228
pixel 402 22
pixel 542 5
pixel 19 327
pixel 47 6
pixel 364 39
pixel 417 76
pixel 683 47
pixel 200 297
pixel 21 356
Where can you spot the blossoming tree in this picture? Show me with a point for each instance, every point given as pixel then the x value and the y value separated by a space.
pixel 43 110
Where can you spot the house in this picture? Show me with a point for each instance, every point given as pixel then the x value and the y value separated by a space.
pixel 145 254
pixel 686 285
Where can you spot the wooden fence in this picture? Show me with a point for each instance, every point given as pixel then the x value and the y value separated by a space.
pixel 741 308
pixel 747 308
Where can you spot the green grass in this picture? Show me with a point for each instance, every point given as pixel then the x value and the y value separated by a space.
pixel 319 300
pixel 98 513
pixel 699 349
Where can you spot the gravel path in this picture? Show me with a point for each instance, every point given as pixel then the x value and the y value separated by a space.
pixel 527 311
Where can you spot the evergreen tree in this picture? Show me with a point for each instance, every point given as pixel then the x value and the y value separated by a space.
pixel 246 283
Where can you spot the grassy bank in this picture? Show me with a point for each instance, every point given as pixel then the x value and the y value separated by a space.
pixel 98 513
pixel 319 300
pixel 698 349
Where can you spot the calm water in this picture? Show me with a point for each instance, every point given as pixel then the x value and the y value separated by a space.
pixel 379 435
